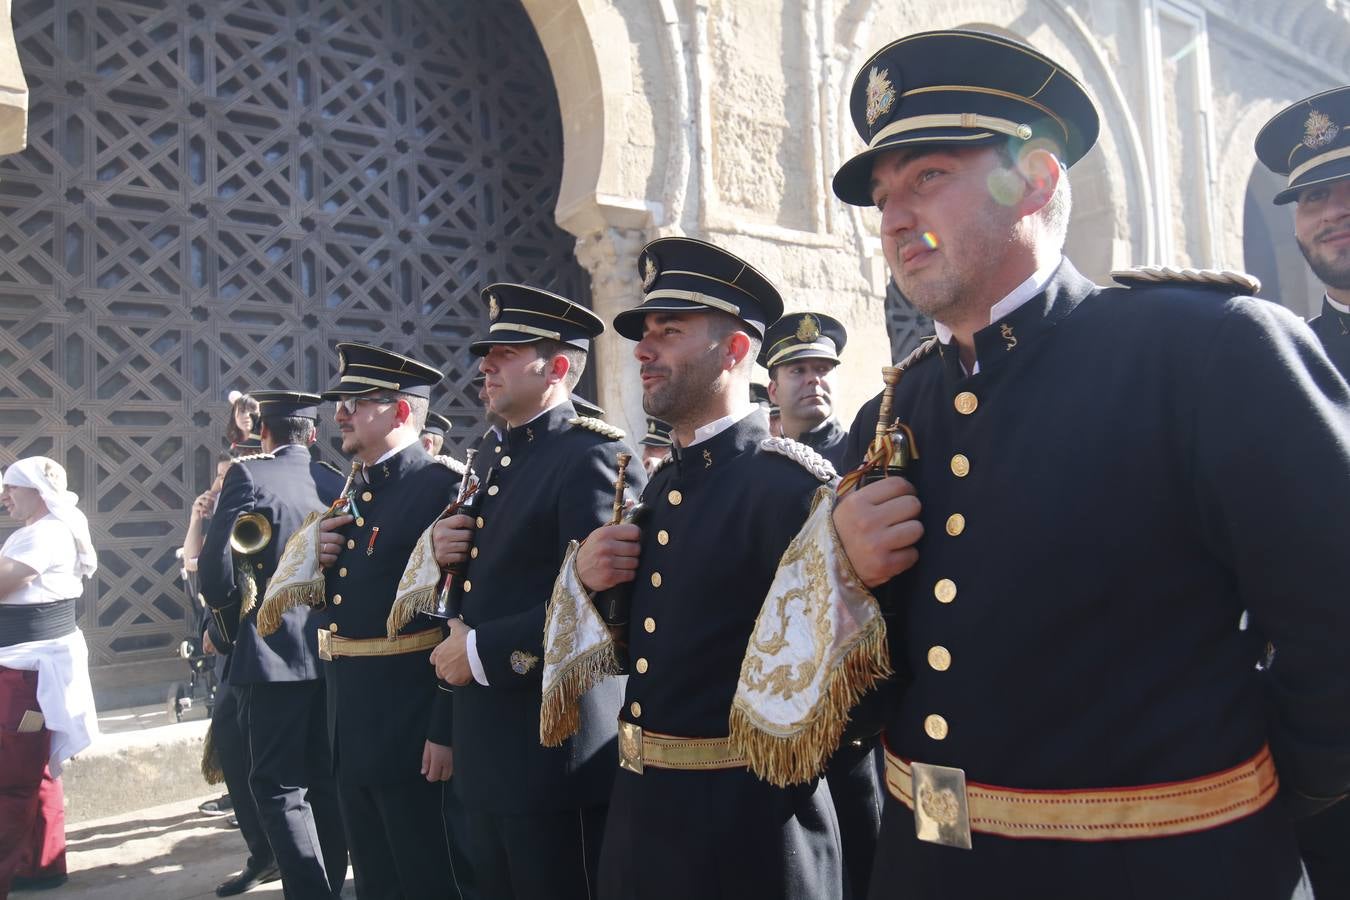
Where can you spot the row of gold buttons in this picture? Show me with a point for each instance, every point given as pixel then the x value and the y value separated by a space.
pixel 675 498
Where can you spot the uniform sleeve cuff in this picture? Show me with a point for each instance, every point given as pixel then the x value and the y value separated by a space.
pixel 475 664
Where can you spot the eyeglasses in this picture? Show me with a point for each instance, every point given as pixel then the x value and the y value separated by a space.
pixel 349 404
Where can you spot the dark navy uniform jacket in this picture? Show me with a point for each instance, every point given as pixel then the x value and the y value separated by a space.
pixel 285 488
pixel 1332 327
pixel 551 482
pixel 829 439
pixel 1129 470
pixel 382 709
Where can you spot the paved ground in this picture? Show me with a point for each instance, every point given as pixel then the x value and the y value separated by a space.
pixel 169 852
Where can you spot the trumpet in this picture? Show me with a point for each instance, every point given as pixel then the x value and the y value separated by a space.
pixel 251 534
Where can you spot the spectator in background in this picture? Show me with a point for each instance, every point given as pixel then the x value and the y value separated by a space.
pixel 242 429
pixel 46 702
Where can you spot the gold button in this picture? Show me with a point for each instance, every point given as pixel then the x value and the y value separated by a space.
pixel 663 537
pixel 360 521
pixel 656 579
pixel 940 658
pixel 332 626
pixel 258 566
pixel 960 465
pixel 506 462
pixel 641 665
pixel 956 523
pixel 945 590
pixel 351 544
pixel 480 522
pixel 966 402
pixel 342 572
pixel 337 599
pixel 636 709
pixel 675 498
pixel 468 585
pixel 935 727
pixel 497 449
pixel 473 553
pixel 649 625
pixel 492 491
pixel 367 496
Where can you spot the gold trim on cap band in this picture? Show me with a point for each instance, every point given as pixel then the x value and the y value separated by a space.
pixel 993 92
pixel 803 351
pixel 1329 156
pixel 391 385
pixel 696 297
pixel 526 329
pixel 954 120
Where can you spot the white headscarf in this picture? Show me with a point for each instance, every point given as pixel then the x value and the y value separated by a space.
pixel 48 478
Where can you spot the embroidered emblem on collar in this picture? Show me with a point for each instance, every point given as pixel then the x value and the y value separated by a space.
pixel 529 433
pixel 880 95
pixel 1007 331
pixel 522 662
pixel 808 329
pixel 1318 130
pixel 707 459
pixel 494 308
pixel 649 270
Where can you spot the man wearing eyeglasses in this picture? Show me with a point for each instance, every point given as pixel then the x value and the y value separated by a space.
pixel 388 719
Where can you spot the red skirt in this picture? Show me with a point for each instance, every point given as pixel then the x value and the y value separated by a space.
pixel 32 807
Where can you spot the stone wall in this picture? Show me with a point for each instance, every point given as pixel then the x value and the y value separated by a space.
pixel 725 120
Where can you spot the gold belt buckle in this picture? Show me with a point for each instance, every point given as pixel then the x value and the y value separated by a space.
pixel 941 813
pixel 325 645
pixel 630 747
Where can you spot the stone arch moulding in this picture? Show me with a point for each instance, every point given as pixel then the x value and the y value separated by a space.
pixel 1237 156
pixel 1134 241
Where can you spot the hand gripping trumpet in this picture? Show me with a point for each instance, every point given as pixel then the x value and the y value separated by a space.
pixel 614 603
pixel 892 448
pixel 446 600
pixel 298 580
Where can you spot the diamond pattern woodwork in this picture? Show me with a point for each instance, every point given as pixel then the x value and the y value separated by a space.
pixel 217 191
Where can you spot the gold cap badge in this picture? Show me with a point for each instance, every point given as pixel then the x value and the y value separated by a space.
pixel 1318 130
pixel 494 308
pixel 880 95
pixel 808 329
pixel 649 270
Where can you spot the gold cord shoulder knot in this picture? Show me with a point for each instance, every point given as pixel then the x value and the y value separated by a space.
pixel 450 463
pixel 803 455
pixel 599 426
pixel 251 456
pixel 1232 279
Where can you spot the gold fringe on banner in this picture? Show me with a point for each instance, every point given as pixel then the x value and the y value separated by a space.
pixel 818 645
pixel 418 589
pixel 211 770
pixel 298 580
pixel 578 653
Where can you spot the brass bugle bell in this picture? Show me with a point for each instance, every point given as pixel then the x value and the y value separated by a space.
pixel 252 532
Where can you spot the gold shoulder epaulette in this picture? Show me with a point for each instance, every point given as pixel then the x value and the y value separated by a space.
pixel 327 465
pixel 1232 279
pixel 599 426
pixel 450 463
pixel 803 455
pixel 926 347
pixel 251 456
pixel 662 463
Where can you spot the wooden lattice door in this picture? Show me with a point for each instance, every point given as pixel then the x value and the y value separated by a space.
pixel 214 193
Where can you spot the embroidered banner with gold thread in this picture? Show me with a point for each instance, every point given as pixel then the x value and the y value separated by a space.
pixel 578 653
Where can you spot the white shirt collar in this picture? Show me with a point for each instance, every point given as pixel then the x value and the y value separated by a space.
pixel 1015 299
pixel 1339 307
pixel 284 446
pixel 395 452
pixel 717 426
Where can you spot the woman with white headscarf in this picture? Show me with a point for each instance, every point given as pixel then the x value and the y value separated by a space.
pixel 46 703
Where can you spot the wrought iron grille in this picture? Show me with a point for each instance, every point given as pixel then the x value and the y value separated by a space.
pixel 905 324
pixel 213 194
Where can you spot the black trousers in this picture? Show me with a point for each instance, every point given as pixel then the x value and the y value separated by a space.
pixel 457 828
pixel 397 839
pixel 855 788
pixel 536 856
pixel 293 786
pixel 227 733
pixel 1324 843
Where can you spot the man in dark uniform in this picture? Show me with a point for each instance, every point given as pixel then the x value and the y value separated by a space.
pixel 586 408
pixel 432 437
pixel 655 444
pixel 801 351
pixel 687 819
pixel 1310 144
pixel 388 719
pixel 277 678
pixel 1066 627
pixel 535 813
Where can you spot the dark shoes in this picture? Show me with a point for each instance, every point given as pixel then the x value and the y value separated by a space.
pixel 45 883
pixel 247 879
pixel 220 806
